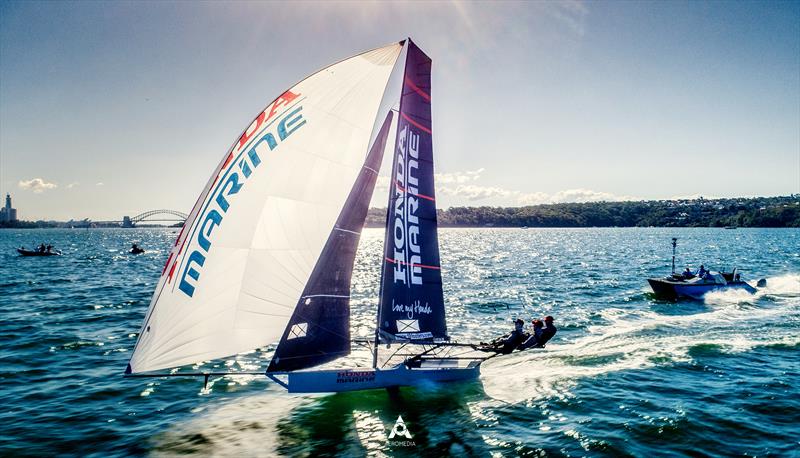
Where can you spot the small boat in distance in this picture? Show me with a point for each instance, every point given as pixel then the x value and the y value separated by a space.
pixel 23 252
pixel 136 249
pixel 696 285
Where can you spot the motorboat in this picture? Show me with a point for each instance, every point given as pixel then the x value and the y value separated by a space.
pixel 696 285
pixel 677 286
pixel 24 252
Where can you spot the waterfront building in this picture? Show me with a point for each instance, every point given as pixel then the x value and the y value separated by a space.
pixel 8 214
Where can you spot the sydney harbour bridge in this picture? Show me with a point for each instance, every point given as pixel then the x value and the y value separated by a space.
pixel 154 216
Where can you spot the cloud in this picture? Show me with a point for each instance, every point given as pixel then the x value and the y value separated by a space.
pixel 473 192
pixel 458 177
pixel 461 185
pixel 587 195
pixel 100 184
pixel 37 185
pixel 72 185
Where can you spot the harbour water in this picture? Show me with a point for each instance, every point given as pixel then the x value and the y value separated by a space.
pixel 627 374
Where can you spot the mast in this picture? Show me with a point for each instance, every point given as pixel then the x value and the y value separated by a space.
pixel 411 307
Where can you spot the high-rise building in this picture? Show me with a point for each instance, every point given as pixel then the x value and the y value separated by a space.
pixel 8 214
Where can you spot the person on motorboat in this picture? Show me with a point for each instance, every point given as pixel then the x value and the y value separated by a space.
pixel 49 248
pixel 509 342
pixel 702 271
pixel 687 274
pixel 41 248
pixel 135 249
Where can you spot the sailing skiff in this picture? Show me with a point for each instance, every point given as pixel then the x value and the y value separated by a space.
pixel 267 252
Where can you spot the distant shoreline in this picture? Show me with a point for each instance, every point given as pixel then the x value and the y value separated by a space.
pixel 755 212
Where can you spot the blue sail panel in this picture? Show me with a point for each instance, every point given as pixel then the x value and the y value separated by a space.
pixel 319 329
pixel 412 303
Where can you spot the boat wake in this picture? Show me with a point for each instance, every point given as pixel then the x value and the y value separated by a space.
pixel 638 339
pixel 784 287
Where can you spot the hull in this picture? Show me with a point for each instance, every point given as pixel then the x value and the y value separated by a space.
pixel 37 253
pixel 338 380
pixel 674 290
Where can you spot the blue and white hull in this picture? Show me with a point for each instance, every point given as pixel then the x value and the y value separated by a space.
pixel 338 380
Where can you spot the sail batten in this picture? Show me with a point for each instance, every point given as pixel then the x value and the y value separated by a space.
pixel 261 222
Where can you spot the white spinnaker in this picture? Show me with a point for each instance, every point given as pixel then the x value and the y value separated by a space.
pixel 258 254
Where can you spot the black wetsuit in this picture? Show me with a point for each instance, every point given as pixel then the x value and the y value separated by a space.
pixel 547 334
pixel 513 341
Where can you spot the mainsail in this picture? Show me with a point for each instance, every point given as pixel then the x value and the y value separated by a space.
pixel 319 330
pixel 411 303
pixel 258 229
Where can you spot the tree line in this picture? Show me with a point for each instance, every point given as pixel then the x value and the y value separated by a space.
pixel 781 211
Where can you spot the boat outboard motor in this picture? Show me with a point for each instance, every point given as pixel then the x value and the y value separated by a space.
pixel 762 283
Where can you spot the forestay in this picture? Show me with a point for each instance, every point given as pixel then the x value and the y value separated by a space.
pixel 411 303
pixel 251 242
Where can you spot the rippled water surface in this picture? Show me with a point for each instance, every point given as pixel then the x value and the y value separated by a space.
pixel 626 374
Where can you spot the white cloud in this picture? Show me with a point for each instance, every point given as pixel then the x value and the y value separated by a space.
pixel 473 192
pixel 587 195
pixel 72 185
pixel 461 186
pixel 100 184
pixel 458 177
pixel 533 198
pixel 37 185
pixel 463 189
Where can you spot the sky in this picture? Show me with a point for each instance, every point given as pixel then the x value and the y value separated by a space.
pixel 115 108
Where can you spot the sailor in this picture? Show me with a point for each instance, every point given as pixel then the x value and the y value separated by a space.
pixel 548 332
pixel 41 248
pixel 49 248
pixel 687 273
pixel 508 343
pixel 533 340
pixel 702 271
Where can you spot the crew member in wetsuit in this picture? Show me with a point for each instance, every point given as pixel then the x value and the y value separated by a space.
pixel 702 271
pixel 508 343
pixel 548 332
pixel 533 340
